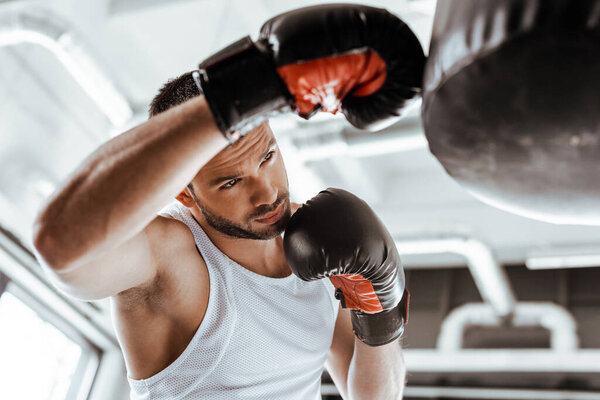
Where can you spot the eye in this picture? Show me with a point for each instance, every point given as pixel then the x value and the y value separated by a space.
pixel 269 155
pixel 230 183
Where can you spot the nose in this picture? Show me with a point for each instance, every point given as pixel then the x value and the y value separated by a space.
pixel 263 193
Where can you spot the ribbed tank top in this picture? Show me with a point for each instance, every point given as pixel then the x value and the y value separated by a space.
pixel 261 338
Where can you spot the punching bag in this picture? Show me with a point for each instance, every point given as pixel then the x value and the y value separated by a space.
pixel 511 104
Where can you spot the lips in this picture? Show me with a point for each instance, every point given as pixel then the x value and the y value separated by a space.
pixel 273 216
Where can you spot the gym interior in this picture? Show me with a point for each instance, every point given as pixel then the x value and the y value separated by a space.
pixel 504 303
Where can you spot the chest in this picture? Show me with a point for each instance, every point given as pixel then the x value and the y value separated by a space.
pixel 277 329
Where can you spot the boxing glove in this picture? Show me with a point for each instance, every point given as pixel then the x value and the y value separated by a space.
pixel 361 60
pixel 337 235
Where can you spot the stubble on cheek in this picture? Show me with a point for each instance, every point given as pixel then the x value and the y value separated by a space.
pixel 249 229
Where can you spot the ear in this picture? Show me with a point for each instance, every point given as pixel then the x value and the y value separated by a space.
pixel 185 198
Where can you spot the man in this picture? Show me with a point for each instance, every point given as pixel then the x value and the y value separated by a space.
pixel 204 301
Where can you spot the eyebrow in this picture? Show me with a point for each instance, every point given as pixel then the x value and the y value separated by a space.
pixel 220 179
pixel 269 147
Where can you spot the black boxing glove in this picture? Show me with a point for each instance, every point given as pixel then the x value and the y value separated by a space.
pixel 337 235
pixel 361 60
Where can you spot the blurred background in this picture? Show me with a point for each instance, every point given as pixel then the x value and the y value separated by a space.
pixel 502 307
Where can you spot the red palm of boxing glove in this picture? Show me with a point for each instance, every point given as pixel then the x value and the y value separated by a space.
pixel 321 84
pixel 358 293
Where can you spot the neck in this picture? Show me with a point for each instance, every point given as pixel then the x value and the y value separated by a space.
pixel 264 257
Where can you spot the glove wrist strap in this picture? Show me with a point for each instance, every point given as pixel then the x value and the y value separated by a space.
pixel 383 327
pixel 242 88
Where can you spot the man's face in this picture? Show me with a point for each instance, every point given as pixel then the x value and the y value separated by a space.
pixel 243 191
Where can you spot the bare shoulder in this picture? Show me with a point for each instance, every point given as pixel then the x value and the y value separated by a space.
pixel 164 313
pixel 174 250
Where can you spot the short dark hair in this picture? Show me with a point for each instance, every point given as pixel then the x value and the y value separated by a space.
pixel 174 92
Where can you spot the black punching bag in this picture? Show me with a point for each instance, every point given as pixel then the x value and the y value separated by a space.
pixel 511 104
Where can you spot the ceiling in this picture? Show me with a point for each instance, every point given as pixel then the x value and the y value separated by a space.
pixel 49 123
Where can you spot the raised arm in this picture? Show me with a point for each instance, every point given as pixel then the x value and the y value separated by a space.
pixel 115 193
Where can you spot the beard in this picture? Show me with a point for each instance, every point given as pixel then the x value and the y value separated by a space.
pixel 246 231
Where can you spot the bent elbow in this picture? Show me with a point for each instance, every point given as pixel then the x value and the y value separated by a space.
pixel 46 248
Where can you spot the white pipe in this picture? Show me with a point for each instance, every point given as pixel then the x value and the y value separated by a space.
pixel 27 23
pixel 579 256
pixel 574 261
pixel 493 360
pixel 488 274
pixel 498 393
pixel 329 389
pixel 560 323
pixel 555 318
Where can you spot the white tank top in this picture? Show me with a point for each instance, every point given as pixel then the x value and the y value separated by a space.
pixel 261 338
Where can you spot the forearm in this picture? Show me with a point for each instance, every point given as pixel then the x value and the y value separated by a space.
pixel 376 372
pixel 127 180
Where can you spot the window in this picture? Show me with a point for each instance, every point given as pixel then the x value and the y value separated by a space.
pixel 37 359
